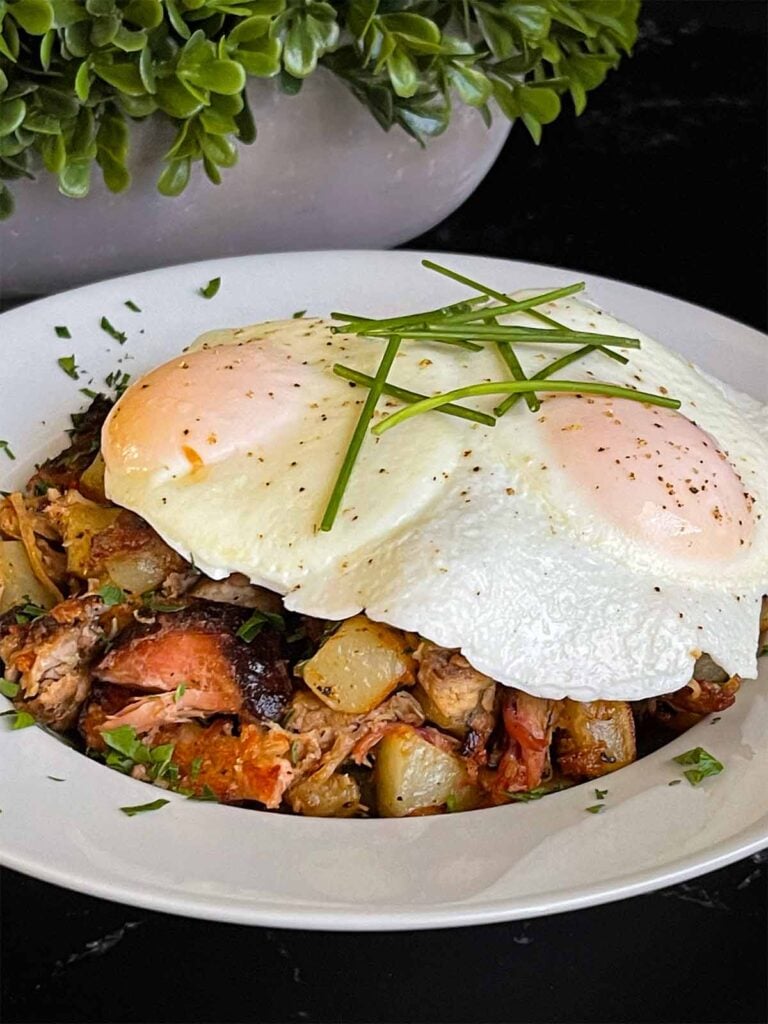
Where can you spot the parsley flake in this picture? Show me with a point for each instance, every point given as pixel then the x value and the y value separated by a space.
pixel 111 594
pixel 5 447
pixel 68 365
pixel 62 331
pixel 298 314
pixel 179 692
pixel 209 290
pixel 155 805
pixel 600 794
pixel 595 808
pixel 89 393
pixel 132 306
pixel 117 380
pixel 112 331
pixel 55 778
pixel 702 765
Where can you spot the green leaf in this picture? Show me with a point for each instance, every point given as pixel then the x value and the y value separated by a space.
pixel 176 19
pixel 254 624
pixel 495 29
pixel 403 73
pixel 75 179
pixel 68 365
pixel 542 104
pixel 175 99
pixel 532 20
pixel 421 35
pixel 175 177
pixel 249 29
pixel 104 30
pixel 43 124
pixel 219 149
pixel 34 16
pixel 83 81
pixel 46 49
pixel 128 41
pixel 144 13
pixel 155 805
pixel 68 12
pixel 359 16
pixel 261 57
pixel 112 150
pixel 472 85
pixel 222 76
pixel 147 70
pixel 246 126
pixel 11 115
pixel 124 76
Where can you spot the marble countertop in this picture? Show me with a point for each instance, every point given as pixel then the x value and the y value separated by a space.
pixel 660 183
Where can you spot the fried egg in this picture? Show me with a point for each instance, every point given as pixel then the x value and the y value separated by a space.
pixel 591 549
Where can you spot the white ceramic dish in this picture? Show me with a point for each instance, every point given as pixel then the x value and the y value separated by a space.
pixel 229 864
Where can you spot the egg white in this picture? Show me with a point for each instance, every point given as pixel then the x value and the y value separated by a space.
pixel 473 537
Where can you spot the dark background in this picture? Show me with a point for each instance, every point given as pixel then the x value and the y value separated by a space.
pixel 662 183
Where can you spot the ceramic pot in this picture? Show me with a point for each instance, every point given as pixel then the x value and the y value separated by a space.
pixel 322 174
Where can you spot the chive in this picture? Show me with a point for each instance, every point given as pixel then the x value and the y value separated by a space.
pixel 357 323
pixel 8 688
pixel 405 395
pixel 516 305
pixel 112 331
pixel 155 805
pixel 68 365
pixel 56 778
pixel 507 353
pixel 89 393
pixel 358 435
pixel 62 331
pixel 513 387
pixel 209 290
pixel 6 447
pixel 524 335
pixel 544 373
pixel 132 306
pixel 298 314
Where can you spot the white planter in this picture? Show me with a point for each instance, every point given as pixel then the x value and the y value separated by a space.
pixel 322 174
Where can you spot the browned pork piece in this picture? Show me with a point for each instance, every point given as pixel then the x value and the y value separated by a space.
pixel 51 658
pixel 237 589
pixel 456 696
pixel 594 737
pixel 110 544
pixel 195 665
pixel 528 723
pixel 64 470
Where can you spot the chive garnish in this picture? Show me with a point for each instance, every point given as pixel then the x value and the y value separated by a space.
pixel 132 306
pixel 518 335
pixel 460 411
pixel 6 447
pixel 514 387
pixel 112 331
pixel 374 394
pixel 62 331
pixel 68 365
pixel 155 805
pixel 209 290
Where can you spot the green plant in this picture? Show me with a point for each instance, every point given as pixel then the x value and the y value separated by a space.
pixel 75 73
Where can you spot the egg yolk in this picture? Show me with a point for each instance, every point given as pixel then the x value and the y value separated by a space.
pixel 203 407
pixel 653 473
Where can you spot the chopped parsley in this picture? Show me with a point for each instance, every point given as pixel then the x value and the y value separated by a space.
pixel 209 290
pixel 256 622
pixel 155 805
pixel 62 331
pixel 8 689
pixel 179 692
pixel 675 782
pixel 452 803
pixel 68 365
pixel 55 778
pixel 118 381
pixel 595 808
pixel 194 768
pixel 5 447
pixel 89 393
pixel 126 751
pixel 600 794
pixel 132 306
pixel 111 594
pixel 112 331
pixel 298 314
pixel 531 794
pixel 295 752
pixel 702 765
pixel 28 613
pixel 206 793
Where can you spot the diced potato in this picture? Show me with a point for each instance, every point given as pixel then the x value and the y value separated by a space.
pixel 337 796
pixel 18 584
pixel 92 480
pixel 594 738
pixel 434 713
pixel 79 522
pixel 359 665
pixel 414 776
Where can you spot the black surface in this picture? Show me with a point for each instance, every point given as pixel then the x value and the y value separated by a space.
pixel 661 183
